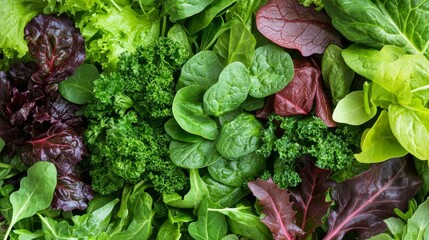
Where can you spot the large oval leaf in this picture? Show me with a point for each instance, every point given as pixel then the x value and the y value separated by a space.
pixel 78 88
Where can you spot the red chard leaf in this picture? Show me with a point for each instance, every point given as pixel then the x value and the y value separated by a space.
pixel 323 108
pixel 363 202
pixel 291 25
pixel 309 196
pixel 279 215
pixel 56 45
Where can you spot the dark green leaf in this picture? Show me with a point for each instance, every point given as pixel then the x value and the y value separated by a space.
pixel 78 88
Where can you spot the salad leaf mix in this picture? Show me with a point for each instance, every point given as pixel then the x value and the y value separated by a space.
pixel 214 119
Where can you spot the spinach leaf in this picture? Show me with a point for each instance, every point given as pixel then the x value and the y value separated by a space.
pixel 242 221
pixel 169 231
pixel 189 114
pixel 388 22
pixel 202 69
pixel 417 225
pixel 176 132
pixel 229 92
pixel 180 9
pixel 210 225
pixel 379 143
pixel 410 125
pixel 237 173
pixel 197 154
pixel 337 76
pixel 225 196
pixel 252 104
pixel 239 137
pixel 204 18
pixel 35 193
pixel 271 70
pixel 237 44
pixel 351 109
pixel 78 88
pixel 195 195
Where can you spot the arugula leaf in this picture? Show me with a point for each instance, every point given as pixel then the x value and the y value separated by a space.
pixel 388 22
pixel 31 197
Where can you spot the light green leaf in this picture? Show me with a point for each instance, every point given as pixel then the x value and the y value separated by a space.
pixel 410 125
pixel 78 88
pixel 351 109
pixel 31 197
pixel 418 224
pixel 272 69
pixel 379 143
pixel 197 154
pixel 378 23
pixel 229 92
pixel 195 195
pixel 210 225
pixel 169 231
pixel 180 9
pixel 189 114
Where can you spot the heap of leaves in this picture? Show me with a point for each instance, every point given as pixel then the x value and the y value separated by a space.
pixel 36 121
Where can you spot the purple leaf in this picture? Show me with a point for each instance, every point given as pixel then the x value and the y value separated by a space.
pixel 279 215
pixel 71 194
pixel 323 108
pixel 365 200
pixel 59 145
pixel 309 196
pixel 5 91
pixel 291 25
pixel 56 45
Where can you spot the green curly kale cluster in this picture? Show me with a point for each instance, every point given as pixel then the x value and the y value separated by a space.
pixel 319 4
pixel 286 139
pixel 126 117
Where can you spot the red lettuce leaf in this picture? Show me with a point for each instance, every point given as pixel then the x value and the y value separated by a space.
pixel 279 215
pixel 56 45
pixel 365 200
pixel 291 25
pixel 5 90
pixel 71 194
pixel 309 196
pixel 59 145
pixel 323 108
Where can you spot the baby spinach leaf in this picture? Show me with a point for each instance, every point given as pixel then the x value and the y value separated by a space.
pixel 410 125
pixel 388 22
pixel 202 69
pixel 169 231
pixel 189 114
pixel 351 109
pixel 241 44
pixel 252 104
pixel 242 221
pixel 337 76
pixel 271 70
pixel 229 92
pixel 31 197
pixel 379 143
pixel 78 88
pixel 176 132
pixel 238 172
pixel 210 225
pixel 239 137
pixel 224 195
pixel 417 225
pixel 193 198
pixel 180 9
pixel 197 154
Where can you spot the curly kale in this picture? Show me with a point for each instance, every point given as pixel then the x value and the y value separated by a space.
pixel 126 118
pixel 286 139
pixel 319 4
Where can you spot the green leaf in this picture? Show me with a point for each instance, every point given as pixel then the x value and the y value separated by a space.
pixel 337 76
pixel 2 144
pixel 31 197
pixel 180 9
pixel 195 195
pixel 78 88
pixel 239 137
pixel 178 33
pixel 224 195
pixel 189 114
pixel 351 109
pixel 197 154
pixel 379 143
pixel 395 226
pixel 410 125
pixel 202 69
pixel 204 18
pixel 242 221
pixel 418 224
pixel 229 92
pixel 176 132
pixel 271 70
pixel 378 23
pixel 169 231
pixel 210 225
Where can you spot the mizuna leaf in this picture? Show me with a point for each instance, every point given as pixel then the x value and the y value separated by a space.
pixel 291 25
pixel 309 196
pixel 365 200
pixel 279 215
